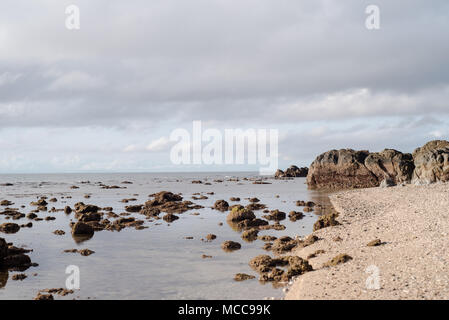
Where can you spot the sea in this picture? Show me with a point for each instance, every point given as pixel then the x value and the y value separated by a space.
pixel 163 261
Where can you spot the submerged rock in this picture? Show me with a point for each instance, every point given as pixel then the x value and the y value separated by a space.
pixel 239 214
pixel 243 277
pixel 221 205
pixel 230 246
pixel 9 227
pixel 81 228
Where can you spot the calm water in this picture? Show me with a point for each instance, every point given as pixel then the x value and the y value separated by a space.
pixel 154 263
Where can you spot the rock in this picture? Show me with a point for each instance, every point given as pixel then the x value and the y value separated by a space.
pixel 431 163
pixel 347 168
pixel 243 277
pixel 238 214
pixel 67 210
pixel 19 276
pixel 85 208
pixel 386 183
pixel 267 238
pixel 169 217
pixel 31 215
pixel 135 208
pixel 39 203
pixel 275 215
pixel 3 249
pixel 9 227
pixel 59 232
pixel 41 296
pixel 211 237
pixel 86 252
pixel 325 221
pixel 250 235
pixel 266 266
pixel 292 172
pixel 391 165
pixel 165 196
pixel 310 240
pixel 284 244
pixel 255 206
pixel 341 258
pixel 343 168
pixel 221 205
pixel 16 261
pixel 87 217
pixel 295 215
pixel 230 246
pixel 235 199
pixel 5 203
pixel 374 243
pixel 254 200
pixel 81 228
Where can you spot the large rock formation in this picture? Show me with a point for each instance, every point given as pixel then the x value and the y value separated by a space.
pixel 391 165
pixel 347 168
pixel 292 172
pixel 431 162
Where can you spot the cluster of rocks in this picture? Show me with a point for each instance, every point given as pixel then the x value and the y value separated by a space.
pixel 292 172
pixel 13 258
pixel 270 271
pixel 347 168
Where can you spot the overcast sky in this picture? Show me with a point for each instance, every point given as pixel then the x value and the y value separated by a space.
pixel 107 96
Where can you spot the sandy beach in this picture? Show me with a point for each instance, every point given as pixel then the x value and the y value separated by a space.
pixel 412 223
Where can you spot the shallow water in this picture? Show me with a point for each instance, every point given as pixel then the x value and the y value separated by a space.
pixel 154 263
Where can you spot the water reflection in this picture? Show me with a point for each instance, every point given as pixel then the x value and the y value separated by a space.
pixel 4 274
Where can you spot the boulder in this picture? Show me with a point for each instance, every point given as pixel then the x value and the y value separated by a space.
pixel 239 214
pixel 431 163
pixel 391 165
pixel 9 227
pixel 292 172
pixel 347 168
pixel 81 228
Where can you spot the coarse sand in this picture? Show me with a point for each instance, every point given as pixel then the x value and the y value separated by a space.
pixel 412 261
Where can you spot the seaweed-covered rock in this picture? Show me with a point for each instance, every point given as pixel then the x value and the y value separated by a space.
pixel 239 214
pixel 325 221
pixel 275 215
pixel 250 235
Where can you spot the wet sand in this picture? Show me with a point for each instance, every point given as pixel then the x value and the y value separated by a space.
pixel 412 261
